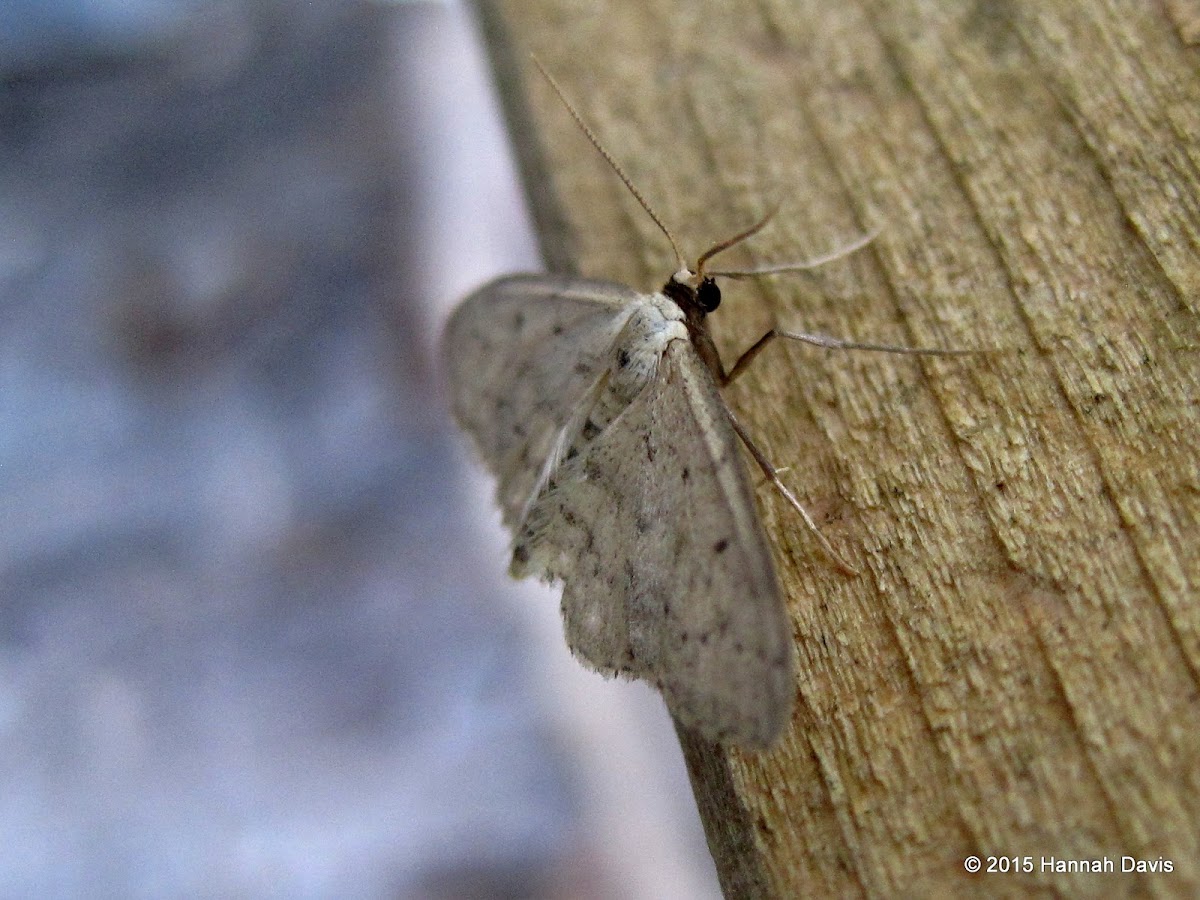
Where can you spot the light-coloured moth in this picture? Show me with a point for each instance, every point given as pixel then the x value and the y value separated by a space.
pixel 599 410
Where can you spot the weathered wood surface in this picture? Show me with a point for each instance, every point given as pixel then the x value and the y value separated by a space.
pixel 1015 670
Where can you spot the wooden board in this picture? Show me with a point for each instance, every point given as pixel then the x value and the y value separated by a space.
pixel 1015 670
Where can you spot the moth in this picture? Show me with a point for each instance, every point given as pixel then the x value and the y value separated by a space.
pixel 620 474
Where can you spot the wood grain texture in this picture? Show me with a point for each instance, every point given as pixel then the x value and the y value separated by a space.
pixel 1015 672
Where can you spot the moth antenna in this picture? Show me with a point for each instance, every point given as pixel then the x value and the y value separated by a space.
pixel 583 126
pixel 838 253
pixel 736 239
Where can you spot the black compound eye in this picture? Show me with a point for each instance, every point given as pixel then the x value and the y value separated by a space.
pixel 708 295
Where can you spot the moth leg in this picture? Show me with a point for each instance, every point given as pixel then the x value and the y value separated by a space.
pixel 745 359
pixel 773 476
pixel 829 343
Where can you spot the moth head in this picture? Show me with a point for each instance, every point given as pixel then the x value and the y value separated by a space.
pixel 699 288
pixel 694 289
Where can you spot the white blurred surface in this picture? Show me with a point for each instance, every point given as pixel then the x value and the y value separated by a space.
pixel 638 803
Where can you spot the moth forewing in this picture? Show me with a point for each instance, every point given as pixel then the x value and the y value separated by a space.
pixel 733 678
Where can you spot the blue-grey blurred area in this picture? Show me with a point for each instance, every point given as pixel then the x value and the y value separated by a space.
pixel 48 33
pixel 241 654
pixel 255 636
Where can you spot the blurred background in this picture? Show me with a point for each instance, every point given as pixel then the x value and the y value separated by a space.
pixel 255 634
